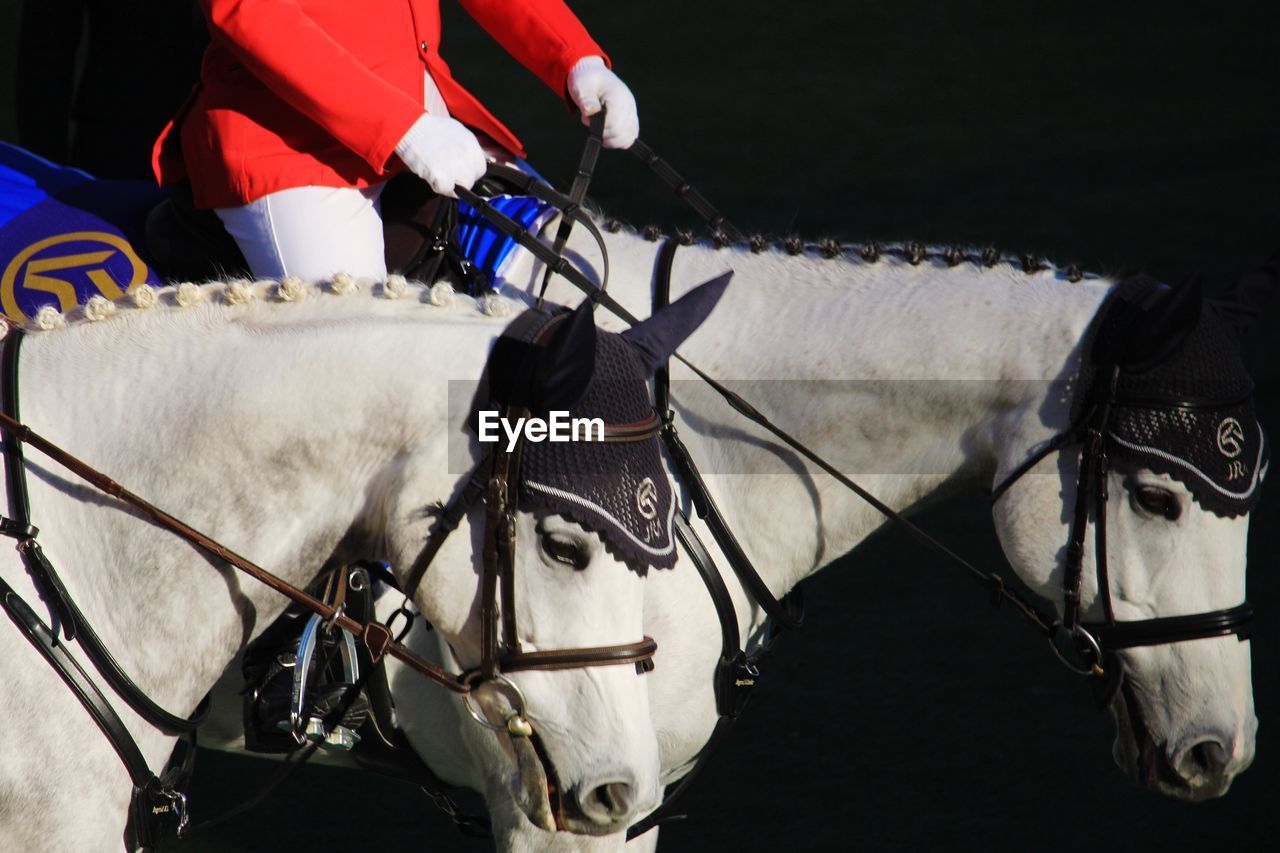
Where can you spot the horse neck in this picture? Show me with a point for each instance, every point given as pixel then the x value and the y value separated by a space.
pixel 913 379
pixel 279 431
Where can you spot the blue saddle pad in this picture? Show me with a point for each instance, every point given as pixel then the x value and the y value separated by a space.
pixel 66 236
pixel 485 246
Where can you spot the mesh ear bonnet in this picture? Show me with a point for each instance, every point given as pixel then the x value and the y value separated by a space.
pixel 618 489
pixel 1188 412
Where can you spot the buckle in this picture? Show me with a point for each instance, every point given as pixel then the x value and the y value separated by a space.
pixel 737 678
pixel 17 530
pixel 159 812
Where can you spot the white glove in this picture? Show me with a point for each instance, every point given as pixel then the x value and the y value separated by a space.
pixel 442 152
pixel 591 85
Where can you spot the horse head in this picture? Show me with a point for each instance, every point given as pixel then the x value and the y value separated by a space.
pixel 1178 465
pixel 589 515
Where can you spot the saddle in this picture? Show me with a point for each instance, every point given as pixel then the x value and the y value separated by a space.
pixel 425 236
pixel 66 236
pixel 186 243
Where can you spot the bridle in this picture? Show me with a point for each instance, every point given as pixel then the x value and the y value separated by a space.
pixel 1091 641
pixel 1089 648
pixel 157 800
pixel 496 479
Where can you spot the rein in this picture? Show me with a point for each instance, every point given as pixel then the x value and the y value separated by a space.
pixel 495 481
pixel 1092 482
pixel 157 799
pixel 1092 645
pixel 375 637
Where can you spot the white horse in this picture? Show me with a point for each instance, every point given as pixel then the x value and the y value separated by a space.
pixel 298 425
pixel 920 379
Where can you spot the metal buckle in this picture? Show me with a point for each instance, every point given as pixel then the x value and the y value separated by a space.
pixel 334 617
pixel 1082 645
pixel 162 807
pixel 13 529
pixel 356 580
pixel 180 806
pixel 341 739
pixel 737 678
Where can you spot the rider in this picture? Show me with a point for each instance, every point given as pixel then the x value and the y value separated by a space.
pixel 305 108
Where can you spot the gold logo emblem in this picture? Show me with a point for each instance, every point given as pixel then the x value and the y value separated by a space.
pixel 41 267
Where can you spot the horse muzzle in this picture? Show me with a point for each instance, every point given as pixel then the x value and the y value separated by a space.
pixel 1199 766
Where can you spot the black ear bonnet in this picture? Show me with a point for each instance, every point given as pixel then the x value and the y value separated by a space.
pixel 1170 365
pixel 556 359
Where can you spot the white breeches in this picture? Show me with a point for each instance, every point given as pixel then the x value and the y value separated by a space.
pixel 314 232
pixel 311 232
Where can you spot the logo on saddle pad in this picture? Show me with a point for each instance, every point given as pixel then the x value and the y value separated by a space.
pixel 66 269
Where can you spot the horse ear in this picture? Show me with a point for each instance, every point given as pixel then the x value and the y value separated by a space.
pixel 553 374
pixel 656 338
pixel 1244 304
pixel 1165 326
pixel 566 362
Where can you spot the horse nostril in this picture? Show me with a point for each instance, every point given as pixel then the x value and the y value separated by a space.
pixel 608 803
pixel 1207 759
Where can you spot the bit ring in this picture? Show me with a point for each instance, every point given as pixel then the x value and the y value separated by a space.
pixel 503 685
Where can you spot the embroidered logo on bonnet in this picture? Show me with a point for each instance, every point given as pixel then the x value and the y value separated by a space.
pixel 1182 401
pixel 556 359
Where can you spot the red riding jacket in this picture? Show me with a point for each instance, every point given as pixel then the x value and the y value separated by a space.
pixel 318 92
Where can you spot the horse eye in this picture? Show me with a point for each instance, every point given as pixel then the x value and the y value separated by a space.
pixel 565 550
pixel 1160 502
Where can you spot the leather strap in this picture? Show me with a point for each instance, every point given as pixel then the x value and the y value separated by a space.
pixel 730 698
pixel 447 520
pixel 705 504
pixel 73 623
pixel 685 191
pixel 49 586
pixel 495 517
pixel 372 634
pixel 155 802
pixel 506 533
pixel 577 193
pixel 709 511
pixel 1172 629
pixel 730 640
pixel 637 652
pixel 77 680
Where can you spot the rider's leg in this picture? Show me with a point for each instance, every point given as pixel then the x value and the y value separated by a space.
pixel 311 232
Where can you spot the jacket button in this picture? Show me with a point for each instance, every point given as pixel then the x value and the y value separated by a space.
pixel 423 46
